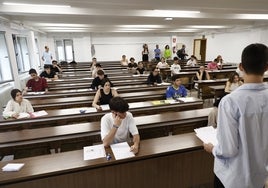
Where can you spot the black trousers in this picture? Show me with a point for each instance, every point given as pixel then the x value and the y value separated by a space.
pixel 217 182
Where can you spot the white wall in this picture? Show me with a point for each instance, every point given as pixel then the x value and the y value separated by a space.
pixel 231 45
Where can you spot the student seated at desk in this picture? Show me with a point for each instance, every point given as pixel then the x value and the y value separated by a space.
pixel 96 83
pixel 175 67
pixel 162 64
pixel 202 74
pixel 140 69
pixel 97 67
pixel 176 90
pixel 55 67
pixel 117 125
pixel 213 65
pixel 17 105
pixel 192 61
pixel 104 94
pixel 93 64
pixel 154 78
pixel 132 66
pixel 48 74
pixel 36 83
pixel 124 61
pixel 213 114
pixel 219 62
pixel 233 83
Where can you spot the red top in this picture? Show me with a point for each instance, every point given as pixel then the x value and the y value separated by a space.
pixel 39 85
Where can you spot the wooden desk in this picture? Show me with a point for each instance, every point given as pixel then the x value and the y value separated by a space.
pixel 90 92
pixel 88 84
pixel 183 163
pixel 33 142
pixel 86 101
pixel 72 115
pixel 204 91
pixel 217 91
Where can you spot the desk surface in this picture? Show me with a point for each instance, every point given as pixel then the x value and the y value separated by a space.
pixel 65 116
pixel 184 155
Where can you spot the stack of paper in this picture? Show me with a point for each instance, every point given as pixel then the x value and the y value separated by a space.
pixel 121 151
pixel 207 134
pixel 39 113
pixel 23 115
pixel 94 152
pixel 12 167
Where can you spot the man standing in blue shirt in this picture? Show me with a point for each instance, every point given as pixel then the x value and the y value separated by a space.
pixel 241 155
pixel 176 90
pixel 157 53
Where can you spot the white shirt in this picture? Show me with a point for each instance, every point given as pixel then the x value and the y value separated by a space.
pixel 122 135
pixel 47 56
pixel 191 63
pixel 13 107
pixel 162 65
pixel 175 69
pixel 241 156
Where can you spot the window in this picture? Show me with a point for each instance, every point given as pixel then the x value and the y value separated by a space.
pixel 64 50
pixel 22 53
pixel 5 66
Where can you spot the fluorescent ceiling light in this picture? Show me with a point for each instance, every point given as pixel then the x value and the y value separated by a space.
pixel 177 11
pixel 254 16
pixel 36 5
pixel 168 19
pixel 140 26
pixel 207 26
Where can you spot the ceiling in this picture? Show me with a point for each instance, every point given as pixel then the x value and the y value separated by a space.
pixel 134 16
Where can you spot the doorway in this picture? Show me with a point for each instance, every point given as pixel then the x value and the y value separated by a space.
pixel 200 47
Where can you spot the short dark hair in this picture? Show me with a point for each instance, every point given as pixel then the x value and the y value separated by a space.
pixel 100 72
pixel 54 61
pixel 175 77
pixel 14 92
pixel 118 104
pixel 255 59
pixel 32 71
pixel 98 65
pixel 47 67
pixel 175 58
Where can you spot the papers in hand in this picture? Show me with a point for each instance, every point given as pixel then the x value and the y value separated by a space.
pixel 10 167
pixel 121 151
pixel 207 134
pixel 39 113
pixel 94 152
pixel 105 107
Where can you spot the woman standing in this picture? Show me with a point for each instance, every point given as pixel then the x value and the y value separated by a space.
pixel 145 53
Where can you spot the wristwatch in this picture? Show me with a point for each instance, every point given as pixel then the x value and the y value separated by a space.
pixel 115 126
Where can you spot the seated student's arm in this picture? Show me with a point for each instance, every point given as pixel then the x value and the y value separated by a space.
pixel 198 76
pixel 159 80
pixel 8 112
pixel 136 143
pixel 109 134
pixel 45 85
pixel 55 77
pixel 227 87
pixel 29 107
pixel 96 99
pixel 25 90
pixel 169 94
pixel 207 75
pixel 184 91
pixel 114 93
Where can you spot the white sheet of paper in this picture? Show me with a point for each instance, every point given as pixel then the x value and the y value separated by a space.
pixel 207 134
pixel 36 93
pixel 23 115
pixel 121 151
pixel 105 107
pixel 12 167
pixel 39 113
pixel 94 152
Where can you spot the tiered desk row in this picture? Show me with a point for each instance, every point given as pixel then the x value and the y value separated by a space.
pixel 169 150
